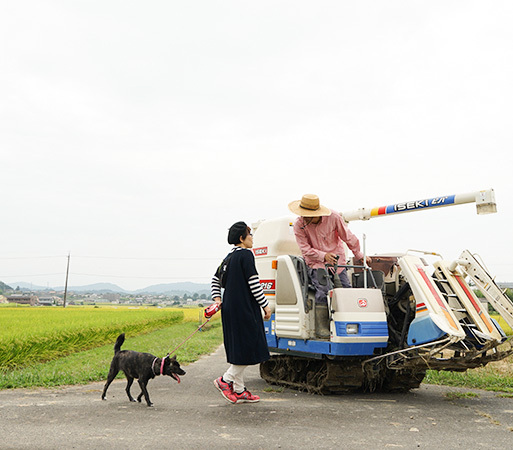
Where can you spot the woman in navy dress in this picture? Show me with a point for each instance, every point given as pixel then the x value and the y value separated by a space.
pixel 242 304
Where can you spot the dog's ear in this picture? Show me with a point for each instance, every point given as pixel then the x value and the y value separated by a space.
pixel 173 358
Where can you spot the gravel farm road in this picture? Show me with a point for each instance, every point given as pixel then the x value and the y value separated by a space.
pixel 193 415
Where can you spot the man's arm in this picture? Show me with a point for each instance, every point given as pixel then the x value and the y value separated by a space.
pixel 349 238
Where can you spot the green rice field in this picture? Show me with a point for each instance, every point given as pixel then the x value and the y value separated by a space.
pixel 29 335
pixel 55 346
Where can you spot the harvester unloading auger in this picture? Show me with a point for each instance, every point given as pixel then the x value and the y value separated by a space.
pixel 398 320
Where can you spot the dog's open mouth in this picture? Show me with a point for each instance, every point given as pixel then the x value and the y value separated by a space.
pixel 176 377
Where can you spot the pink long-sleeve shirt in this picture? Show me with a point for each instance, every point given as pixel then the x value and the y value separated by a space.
pixel 328 236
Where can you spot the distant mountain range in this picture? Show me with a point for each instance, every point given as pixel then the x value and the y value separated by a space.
pixel 4 287
pixel 156 289
pixel 105 288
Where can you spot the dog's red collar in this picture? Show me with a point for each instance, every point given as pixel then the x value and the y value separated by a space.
pixel 161 365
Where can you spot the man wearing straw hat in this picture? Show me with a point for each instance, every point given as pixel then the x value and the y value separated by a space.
pixel 321 233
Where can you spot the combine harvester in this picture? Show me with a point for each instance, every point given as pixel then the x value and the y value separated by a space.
pixel 400 319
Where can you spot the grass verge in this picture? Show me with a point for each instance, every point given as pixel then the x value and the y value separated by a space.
pixel 93 365
pixel 496 376
pixel 458 395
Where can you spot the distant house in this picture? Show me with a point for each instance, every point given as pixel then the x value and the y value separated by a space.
pixel 47 301
pixel 22 299
pixel 111 297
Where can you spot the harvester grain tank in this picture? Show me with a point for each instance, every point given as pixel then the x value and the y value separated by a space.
pixel 400 318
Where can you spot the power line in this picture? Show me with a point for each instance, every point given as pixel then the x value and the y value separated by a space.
pixel 34 275
pixel 150 259
pixel 138 277
pixel 175 258
pixel 32 257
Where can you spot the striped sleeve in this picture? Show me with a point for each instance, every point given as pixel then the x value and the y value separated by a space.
pixel 215 287
pixel 257 291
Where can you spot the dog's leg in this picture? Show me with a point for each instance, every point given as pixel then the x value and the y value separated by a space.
pixel 129 381
pixel 143 382
pixel 113 371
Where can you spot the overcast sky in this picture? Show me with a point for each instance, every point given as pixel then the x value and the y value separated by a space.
pixel 133 134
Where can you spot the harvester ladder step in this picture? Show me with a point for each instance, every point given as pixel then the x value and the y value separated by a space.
pixel 447 296
pixel 486 284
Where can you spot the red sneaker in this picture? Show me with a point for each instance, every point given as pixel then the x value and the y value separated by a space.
pixel 226 389
pixel 246 397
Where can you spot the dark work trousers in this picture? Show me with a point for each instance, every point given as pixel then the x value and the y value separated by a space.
pixel 321 291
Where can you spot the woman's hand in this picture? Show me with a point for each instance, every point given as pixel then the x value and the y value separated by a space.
pixel 267 313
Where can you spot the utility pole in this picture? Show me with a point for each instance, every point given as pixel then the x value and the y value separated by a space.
pixel 66 285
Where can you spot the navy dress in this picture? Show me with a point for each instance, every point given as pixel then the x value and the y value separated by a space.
pixel 243 326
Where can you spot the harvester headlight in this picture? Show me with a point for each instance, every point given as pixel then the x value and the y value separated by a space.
pixel 352 328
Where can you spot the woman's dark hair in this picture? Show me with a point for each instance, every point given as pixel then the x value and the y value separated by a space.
pixel 237 230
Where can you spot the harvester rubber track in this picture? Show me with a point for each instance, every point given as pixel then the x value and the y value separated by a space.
pixel 324 376
pixel 318 376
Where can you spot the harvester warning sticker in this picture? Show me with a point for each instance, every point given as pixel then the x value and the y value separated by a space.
pixel 261 251
pixel 413 205
pixel 421 307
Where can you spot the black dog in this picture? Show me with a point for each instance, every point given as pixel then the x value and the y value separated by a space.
pixel 143 366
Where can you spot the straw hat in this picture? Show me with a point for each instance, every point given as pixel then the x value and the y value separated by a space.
pixel 309 206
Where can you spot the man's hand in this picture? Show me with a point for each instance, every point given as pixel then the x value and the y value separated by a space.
pixel 368 259
pixel 331 258
pixel 267 313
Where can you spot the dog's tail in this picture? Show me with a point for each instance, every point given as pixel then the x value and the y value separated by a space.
pixel 119 342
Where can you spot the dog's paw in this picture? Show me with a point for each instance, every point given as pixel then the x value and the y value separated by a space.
pixel 150 404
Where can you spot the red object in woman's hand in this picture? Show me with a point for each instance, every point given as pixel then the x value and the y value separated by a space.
pixel 211 310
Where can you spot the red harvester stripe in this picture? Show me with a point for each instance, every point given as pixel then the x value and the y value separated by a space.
pixel 474 303
pixel 437 297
